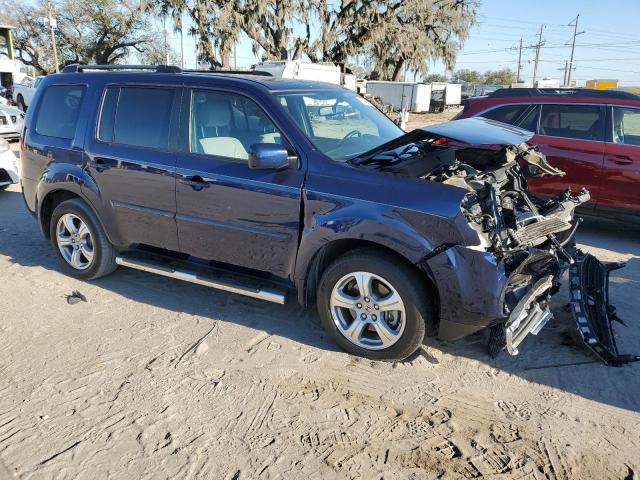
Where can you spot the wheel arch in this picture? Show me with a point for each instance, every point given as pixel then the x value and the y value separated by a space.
pixel 55 197
pixel 307 284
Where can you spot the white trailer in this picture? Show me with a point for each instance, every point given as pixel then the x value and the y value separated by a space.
pixel 297 69
pixel 415 97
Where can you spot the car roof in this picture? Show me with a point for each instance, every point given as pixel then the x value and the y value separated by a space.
pixel 556 95
pixel 174 75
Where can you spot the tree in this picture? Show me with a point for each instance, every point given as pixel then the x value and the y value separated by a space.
pixel 397 34
pixel 469 76
pixel 499 77
pixel 99 31
pixel 216 25
pixel 268 23
pixel 435 77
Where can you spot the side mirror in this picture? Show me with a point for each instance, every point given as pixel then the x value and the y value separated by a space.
pixel 269 156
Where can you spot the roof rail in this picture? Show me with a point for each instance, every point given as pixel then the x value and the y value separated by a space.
pixel 578 92
pixel 260 73
pixel 156 68
pixel 159 69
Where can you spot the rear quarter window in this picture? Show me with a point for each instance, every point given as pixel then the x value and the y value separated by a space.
pixel 59 110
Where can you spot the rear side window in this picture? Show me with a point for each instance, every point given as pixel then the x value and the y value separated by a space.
pixel 136 116
pixel 626 126
pixel 582 122
pixel 58 111
pixel 530 120
pixel 506 113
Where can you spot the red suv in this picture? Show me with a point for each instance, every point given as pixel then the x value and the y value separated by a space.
pixel 593 135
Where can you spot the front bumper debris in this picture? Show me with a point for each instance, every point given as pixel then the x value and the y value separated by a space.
pixel 591 309
pixel 529 316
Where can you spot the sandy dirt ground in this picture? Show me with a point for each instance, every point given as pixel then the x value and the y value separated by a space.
pixel 153 378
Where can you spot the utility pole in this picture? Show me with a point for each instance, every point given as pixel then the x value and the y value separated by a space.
pixel 166 50
pixel 182 40
pixel 538 45
pixel 573 45
pixel 519 62
pixel 53 25
pixel 566 66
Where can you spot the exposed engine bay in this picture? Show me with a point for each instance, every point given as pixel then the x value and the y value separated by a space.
pixel 532 239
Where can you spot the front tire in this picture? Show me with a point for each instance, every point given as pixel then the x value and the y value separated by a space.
pixel 79 241
pixel 374 306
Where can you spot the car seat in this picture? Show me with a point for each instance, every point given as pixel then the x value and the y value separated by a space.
pixel 213 129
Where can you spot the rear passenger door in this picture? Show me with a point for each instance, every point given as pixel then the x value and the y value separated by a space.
pixel 572 138
pixel 228 212
pixel 621 172
pixel 131 158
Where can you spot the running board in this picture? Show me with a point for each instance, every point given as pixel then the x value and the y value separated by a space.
pixel 223 282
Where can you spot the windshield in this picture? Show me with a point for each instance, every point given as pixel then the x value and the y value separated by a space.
pixel 341 124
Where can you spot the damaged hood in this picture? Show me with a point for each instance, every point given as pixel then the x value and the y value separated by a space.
pixel 476 132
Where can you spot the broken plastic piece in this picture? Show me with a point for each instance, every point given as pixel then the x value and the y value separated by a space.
pixel 589 286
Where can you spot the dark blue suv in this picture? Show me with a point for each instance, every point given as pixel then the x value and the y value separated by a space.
pixel 260 186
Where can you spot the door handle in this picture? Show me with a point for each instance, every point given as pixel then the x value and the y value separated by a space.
pixel 196 182
pixel 621 159
pixel 99 163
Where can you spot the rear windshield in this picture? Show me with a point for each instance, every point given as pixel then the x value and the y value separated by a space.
pixel 59 109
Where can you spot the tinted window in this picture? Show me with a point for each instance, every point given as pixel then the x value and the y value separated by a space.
pixel 626 126
pixel 227 125
pixel 530 120
pixel 582 122
pixel 59 109
pixel 505 114
pixel 136 116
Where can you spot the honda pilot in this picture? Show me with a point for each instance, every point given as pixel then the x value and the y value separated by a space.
pixel 266 187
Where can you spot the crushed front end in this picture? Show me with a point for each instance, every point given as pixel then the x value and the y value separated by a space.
pixel 505 278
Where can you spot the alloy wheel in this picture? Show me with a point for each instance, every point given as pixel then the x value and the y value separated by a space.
pixel 367 310
pixel 74 241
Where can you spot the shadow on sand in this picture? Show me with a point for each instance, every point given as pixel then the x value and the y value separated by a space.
pixel 553 358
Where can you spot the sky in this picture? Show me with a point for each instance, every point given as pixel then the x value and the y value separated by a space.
pixel 609 47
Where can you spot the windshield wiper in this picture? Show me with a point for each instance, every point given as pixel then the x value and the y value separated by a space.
pixel 407 139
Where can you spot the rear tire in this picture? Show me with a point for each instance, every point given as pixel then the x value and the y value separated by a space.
pixel 374 306
pixel 79 241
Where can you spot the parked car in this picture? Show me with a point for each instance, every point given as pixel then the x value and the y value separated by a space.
pixel 8 165
pixel 592 135
pixel 23 92
pixel 256 186
pixel 11 122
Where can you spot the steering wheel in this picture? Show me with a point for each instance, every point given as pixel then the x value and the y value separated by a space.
pixel 351 134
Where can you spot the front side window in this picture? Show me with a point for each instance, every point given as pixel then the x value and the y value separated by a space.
pixel 226 125
pixel 626 126
pixel 340 124
pixel 506 113
pixel 581 122
pixel 136 116
pixel 58 111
